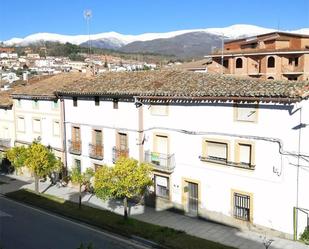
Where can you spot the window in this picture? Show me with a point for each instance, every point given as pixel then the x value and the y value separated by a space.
pixel 246 112
pixel 216 151
pixel 161 186
pixel 115 103
pixel 293 78
pixel 238 63
pixel 35 104
pixel 160 110
pixel 270 78
pixel 21 124
pixel 76 133
pixel 226 63
pixel 294 61
pixel 123 141
pixel 98 137
pixel 56 104
pixel 78 164
pixel 96 101
pixel 97 166
pixel 245 151
pixel 18 103
pixel 75 101
pixel 241 206
pixel 56 128
pixel 271 62
pixel 36 125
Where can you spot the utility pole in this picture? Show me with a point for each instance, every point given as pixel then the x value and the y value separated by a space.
pixel 222 56
pixel 88 16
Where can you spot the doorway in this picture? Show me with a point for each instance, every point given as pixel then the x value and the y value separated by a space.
pixel 192 198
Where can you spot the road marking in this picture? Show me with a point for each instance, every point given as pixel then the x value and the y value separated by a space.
pixel 4 214
pixel 107 234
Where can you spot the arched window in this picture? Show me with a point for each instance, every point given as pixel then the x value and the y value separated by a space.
pixel 239 63
pixel 270 78
pixel 271 61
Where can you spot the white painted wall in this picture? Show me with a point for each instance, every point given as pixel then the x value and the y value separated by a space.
pixel 7 128
pixel 274 193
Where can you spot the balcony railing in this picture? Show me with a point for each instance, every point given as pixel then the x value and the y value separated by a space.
pixel 5 143
pixel 226 162
pixel 75 147
pixel 96 151
pixel 117 152
pixel 162 162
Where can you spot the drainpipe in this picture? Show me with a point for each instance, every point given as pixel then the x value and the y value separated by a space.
pixel 139 107
pixel 63 133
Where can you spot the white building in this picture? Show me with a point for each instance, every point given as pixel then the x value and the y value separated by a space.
pixel 227 149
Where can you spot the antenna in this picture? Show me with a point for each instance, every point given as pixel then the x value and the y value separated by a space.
pixel 88 16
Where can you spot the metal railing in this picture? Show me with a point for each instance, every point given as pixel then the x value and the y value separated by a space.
pixel 163 162
pixel 75 147
pixel 226 162
pixel 5 142
pixel 117 152
pixel 96 151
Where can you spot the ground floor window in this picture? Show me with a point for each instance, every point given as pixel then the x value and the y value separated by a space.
pixel 242 206
pixel 161 186
pixel 78 164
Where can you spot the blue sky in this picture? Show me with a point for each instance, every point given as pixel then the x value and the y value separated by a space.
pixel 19 18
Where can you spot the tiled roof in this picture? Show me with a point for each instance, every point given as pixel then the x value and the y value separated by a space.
pixel 5 99
pixel 180 84
pixel 45 87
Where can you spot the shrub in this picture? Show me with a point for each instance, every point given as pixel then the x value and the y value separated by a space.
pixel 305 235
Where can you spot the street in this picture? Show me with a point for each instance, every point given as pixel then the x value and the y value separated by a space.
pixel 23 227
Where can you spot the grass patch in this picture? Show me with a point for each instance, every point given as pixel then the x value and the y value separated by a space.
pixel 165 236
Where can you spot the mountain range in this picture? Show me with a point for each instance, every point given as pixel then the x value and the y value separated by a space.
pixel 182 43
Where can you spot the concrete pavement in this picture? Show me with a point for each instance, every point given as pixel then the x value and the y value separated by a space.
pixel 200 228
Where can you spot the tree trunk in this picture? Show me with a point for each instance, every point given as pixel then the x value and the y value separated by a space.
pixel 80 196
pixel 125 207
pixel 36 183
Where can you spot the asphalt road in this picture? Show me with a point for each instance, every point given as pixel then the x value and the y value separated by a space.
pixel 23 227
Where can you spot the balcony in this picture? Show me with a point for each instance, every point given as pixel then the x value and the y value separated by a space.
pixel 161 162
pixel 96 151
pixel 222 161
pixel 5 143
pixel 117 152
pixel 75 147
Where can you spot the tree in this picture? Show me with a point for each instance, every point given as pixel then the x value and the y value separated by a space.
pixel 39 159
pixel 82 179
pixel 127 179
pixel 17 156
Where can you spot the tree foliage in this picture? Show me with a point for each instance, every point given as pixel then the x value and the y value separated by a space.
pixel 82 179
pixel 17 156
pixel 127 179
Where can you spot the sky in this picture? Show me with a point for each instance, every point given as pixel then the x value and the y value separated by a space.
pixel 19 18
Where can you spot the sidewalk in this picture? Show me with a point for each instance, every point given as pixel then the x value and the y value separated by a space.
pixel 204 229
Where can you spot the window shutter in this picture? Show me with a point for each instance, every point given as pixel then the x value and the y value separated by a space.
pixel 217 150
pixel 161 181
pixel 245 153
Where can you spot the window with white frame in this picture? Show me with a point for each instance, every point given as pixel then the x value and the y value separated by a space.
pixel 56 128
pixel 216 151
pixel 160 110
pixel 241 206
pixel 36 125
pixel 21 124
pixel 247 113
pixel 161 186
pixel 245 154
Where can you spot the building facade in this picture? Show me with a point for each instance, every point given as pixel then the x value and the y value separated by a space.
pixel 227 149
pixel 277 55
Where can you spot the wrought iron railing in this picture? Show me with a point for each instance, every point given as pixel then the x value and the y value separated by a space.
pixel 96 151
pixel 75 147
pixel 117 152
pixel 160 161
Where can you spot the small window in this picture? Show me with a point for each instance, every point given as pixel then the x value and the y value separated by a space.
pixel 123 141
pixel 21 124
pixel 293 78
pixel 56 104
pixel 96 101
pixel 216 151
pixel 75 101
pixel 226 63
pixel 35 104
pixel 36 125
pixel 115 103
pixel 78 164
pixel 271 62
pixel 159 110
pixel 245 154
pixel 296 61
pixel 291 60
pixel 19 103
pixel 270 78
pixel 246 113
pixel 242 206
pixel 161 186
pixel 238 63
pixel 56 128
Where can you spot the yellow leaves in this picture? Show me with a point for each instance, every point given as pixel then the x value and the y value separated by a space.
pixel 127 178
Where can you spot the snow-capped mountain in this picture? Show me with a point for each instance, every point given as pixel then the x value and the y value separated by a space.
pixel 234 31
pixel 182 43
